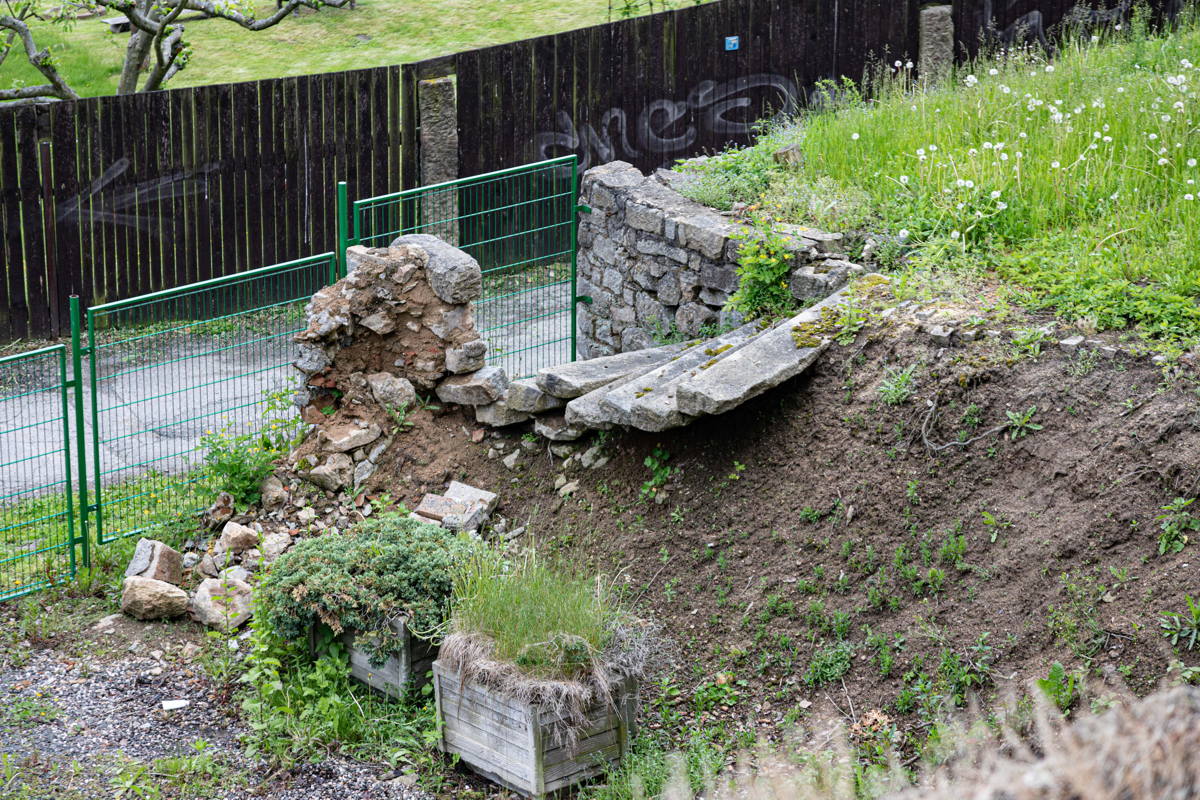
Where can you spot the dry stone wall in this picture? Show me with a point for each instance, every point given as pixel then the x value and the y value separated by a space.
pixel 654 262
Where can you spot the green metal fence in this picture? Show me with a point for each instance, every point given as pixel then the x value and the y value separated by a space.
pixel 37 506
pixel 519 224
pixel 169 368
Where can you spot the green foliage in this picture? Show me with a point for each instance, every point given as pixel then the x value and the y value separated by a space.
pixel 660 472
pixel 764 262
pixel 238 462
pixel 829 664
pixel 1175 522
pixel 1182 629
pixel 736 175
pixel 1021 424
pixel 385 567
pixel 897 385
pixel 1059 686
pixel 297 709
pixel 550 621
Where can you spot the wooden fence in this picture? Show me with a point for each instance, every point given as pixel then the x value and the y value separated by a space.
pixel 652 89
pixel 112 197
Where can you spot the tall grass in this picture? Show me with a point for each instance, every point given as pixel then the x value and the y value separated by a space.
pixel 527 603
pixel 1075 178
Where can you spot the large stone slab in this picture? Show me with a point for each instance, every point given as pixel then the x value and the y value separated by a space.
pixel 650 403
pixel 524 395
pixel 763 364
pixel 479 388
pixel 577 378
pixel 454 275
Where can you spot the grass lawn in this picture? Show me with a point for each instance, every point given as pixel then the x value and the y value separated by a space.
pixel 1073 182
pixel 376 33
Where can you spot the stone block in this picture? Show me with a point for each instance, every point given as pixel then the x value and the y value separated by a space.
pixel 469 357
pixel 1070 346
pixel 236 537
pixel 154 559
pixel 499 415
pixel 572 380
pixel 223 604
pixel 465 493
pixel 657 247
pixel 344 437
pixel 149 598
pixel 690 318
pixel 478 388
pixel 524 395
pixel 437 507
pixel 391 390
pixel 556 428
pixel 704 233
pixel 667 290
pixel 644 218
pixel 936 43
pixel 335 474
pixel 454 275
pixel 719 276
pixel 636 339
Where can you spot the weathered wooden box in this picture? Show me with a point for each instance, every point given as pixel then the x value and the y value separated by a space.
pixel 409 664
pixel 510 742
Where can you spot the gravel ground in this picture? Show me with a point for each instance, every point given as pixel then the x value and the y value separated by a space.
pixel 102 713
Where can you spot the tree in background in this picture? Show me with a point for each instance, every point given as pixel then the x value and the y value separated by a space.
pixel 156 42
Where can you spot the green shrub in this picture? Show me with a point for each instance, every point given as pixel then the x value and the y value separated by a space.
pixel 384 567
pixel 764 262
pixel 549 621
pixel 239 462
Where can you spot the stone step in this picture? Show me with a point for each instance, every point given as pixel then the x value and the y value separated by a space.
pixel 648 403
pixel 761 364
pixel 587 412
pixel 577 378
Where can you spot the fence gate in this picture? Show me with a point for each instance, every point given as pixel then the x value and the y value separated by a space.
pixel 37 506
pixel 167 369
pixel 519 224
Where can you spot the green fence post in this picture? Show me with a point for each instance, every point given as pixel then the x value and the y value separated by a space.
pixel 80 438
pixel 343 228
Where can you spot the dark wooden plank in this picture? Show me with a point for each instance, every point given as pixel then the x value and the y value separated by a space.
pixel 14 316
pixel 31 219
pixel 66 233
pixel 268 161
pixel 228 261
pixel 245 104
pixel 317 189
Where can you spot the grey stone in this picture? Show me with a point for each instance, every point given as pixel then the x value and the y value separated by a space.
pixel 524 395
pixel 455 321
pixel 667 290
pixel 657 247
pixel 222 604
pixel 499 415
pixel 235 573
pixel 580 377
pixel 311 359
pixel 650 312
pixel 467 358
pixel 612 280
pixel 465 493
pixel 568 489
pixel 690 318
pixel 556 428
pixel 635 339
pixel 190 560
pixel 154 559
pixel 942 335
pixel 562 449
pixel 714 297
pixel 274 545
pixel 770 359
pixel 791 155
pixel 1071 344
pixel 936 46
pixel 705 233
pixel 392 391
pixel 336 473
pixel 251 559
pixel 348 436
pixel 644 218
pixel 511 460
pixel 471 520
pixel 236 537
pixel 437 102
pixel 478 388
pixel 379 322
pixel 272 491
pixel 593 458
pixel 585 411
pixel 363 471
pixel 148 598
pixel 454 275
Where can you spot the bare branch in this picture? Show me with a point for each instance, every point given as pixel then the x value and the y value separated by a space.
pixel 167 50
pixel 252 24
pixel 41 61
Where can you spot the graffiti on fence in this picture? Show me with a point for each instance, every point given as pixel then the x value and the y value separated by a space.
pixel 83 209
pixel 655 128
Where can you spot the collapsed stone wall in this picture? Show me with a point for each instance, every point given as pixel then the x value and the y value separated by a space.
pixel 654 261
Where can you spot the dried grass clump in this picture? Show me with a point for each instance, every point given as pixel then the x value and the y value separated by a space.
pixel 1141 750
pixel 548 636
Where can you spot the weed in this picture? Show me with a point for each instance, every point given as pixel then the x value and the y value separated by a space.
pixel 1175 522
pixel 660 472
pixel 1182 629
pixel 897 385
pixel 995 524
pixel 1059 686
pixel 829 664
pixel 764 262
pixel 399 416
pixel 1021 424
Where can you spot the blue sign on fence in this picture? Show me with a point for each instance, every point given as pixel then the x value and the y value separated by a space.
pixel 732 42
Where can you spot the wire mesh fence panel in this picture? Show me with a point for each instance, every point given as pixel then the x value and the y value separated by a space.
pixel 179 375
pixel 519 224
pixel 37 507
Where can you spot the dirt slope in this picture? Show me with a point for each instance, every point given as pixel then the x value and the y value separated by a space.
pixel 818 511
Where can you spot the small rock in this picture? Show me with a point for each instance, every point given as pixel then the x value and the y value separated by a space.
pixel 479 388
pixel 306 515
pixel 346 437
pixel 562 449
pixel 106 622
pixel 469 494
pixel 190 560
pixel 336 473
pixel 235 573
pixel 222 604
pixel 593 458
pixel 189 651
pixel 147 598
pixel 560 481
pixel 272 491
pixel 941 334
pixel 154 559
pixel 392 391
pixel 568 489
pixel 251 559
pixel 236 537
pixel 514 533
pixel 499 415
pixel 524 395
pixel 556 428
pixel 510 461
pixel 1071 344
pixel 274 544
pixel 469 357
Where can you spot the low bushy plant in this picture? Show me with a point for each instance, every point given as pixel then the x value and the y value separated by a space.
pixel 385 567
pixel 764 262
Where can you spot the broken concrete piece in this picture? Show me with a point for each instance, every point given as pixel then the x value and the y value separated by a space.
pixel 223 604
pixel 437 507
pixel 499 415
pixel 464 493
pixel 556 428
pixel 524 395
pixel 454 275
pixel 577 378
pixel 479 388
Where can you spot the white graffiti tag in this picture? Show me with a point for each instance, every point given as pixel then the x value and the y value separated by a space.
pixel 711 104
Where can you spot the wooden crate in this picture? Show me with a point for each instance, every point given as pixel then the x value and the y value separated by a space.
pixel 410 664
pixel 510 743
